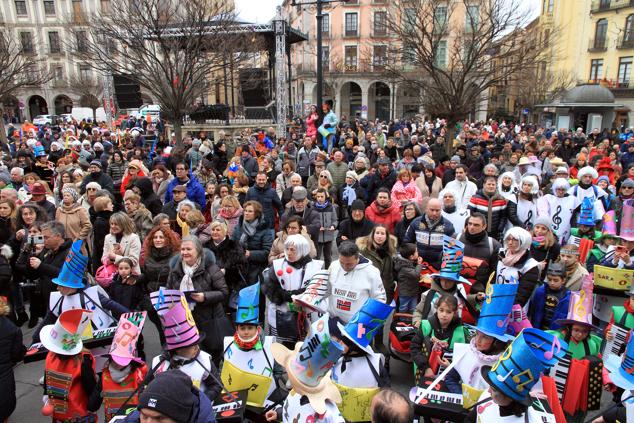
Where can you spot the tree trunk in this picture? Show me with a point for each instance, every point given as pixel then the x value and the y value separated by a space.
pixel 3 130
pixel 450 135
pixel 178 132
pixel 94 115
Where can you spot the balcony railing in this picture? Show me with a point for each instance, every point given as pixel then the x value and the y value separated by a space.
pixel 600 44
pixel 625 44
pixel 59 83
pixel 599 6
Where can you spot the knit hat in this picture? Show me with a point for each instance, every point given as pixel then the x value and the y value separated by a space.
pixel 357 205
pixel 97 146
pixel 561 169
pixel 93 185
pixel 603 178
pixel 544 221
pixel 96 163
pixel 5 177
pixel 72 191
pixel 628 183
pixel 169 393
pixel 351 174
pixel 455 159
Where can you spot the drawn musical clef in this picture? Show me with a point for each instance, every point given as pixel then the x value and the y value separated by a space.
pixel 557 219
pixel 580 308
pixel 528 222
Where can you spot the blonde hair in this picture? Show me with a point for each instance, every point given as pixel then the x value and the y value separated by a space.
pixel 100 203
pixel 194 218
pixel 132 196
pixel 230 200
pixel 124 222
pixel 5 309
pixel 221 225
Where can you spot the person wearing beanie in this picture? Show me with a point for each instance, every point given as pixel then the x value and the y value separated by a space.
pixel 587 189
pixel 171 397
pixel 357 225
pixel 348 193
pixel 96 175
pixel 545 246
pixel 550 301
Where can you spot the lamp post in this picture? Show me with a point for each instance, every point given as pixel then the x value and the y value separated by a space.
pixel 320 17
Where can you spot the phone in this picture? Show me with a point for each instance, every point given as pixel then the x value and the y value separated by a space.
pixel 35 239
pixel 116 246
pixel 188 296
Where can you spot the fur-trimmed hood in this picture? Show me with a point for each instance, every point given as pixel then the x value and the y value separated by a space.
pixel 6 252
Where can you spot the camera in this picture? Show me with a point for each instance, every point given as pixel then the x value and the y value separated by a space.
pixel 35 239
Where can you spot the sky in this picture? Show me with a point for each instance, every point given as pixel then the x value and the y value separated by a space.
pixel 261 11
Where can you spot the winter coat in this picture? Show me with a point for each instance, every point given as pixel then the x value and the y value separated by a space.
pixel 278 245
pixel 282 182
pixel 373 181
pixel 485 249
pixel 310 218
pixel 338 172
pixel 230 257
pixel 202 411
pixel 268 198
pixel 575 279
pixel 250 166
pixel 49 268
pixel 407 276
pixel 129 296
pixel 353 230
pixel 259 246
pixel 528 281
pixel 48 207
pixel 344 208
pixel 402 193
pixel 142 219
pixel 100 228
pixel 494 208
pixel 104 181
pixel 149 199
pixel 389 216
pixel 207 279
pixel 116 171
pixel 6 253
pixel 131 245
pixel 75 220
pixel 305 159
pixel 429 240
pixel 538 308
pixel 5 230
pixel 426 308
pixel 327 219
pixel 195 191
pixel 382 262
pixel 170 209
pixel 155 268
pixel 11 353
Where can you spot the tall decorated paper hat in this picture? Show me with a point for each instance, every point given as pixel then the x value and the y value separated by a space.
pixel 452 256
pixel 38 150
pixel 179 326
pixel 580 306
pixel 609 224
pixel 314 296
pixel 627 220
pixel 72 273
pixel 621 368
pixel 366 323
pixel 249 305
pixel 308 365
pixel 496 310
pixel 123 348
pixel 586 213
pixel 520 366
pixel 64 337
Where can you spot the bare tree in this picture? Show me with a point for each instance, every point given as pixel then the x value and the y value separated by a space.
pixel 89 90
pixel 171 48
pixel 448 48
pixel 18 69
pixel 539 87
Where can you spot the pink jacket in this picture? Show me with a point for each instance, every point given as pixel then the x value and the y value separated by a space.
pixel 311 129
pixel 409 192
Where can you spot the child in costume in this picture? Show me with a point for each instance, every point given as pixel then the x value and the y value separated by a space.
pixel 70 382
pixel 485 348
pixel 575 271
pixel 550 301
pixel 584 379
pixel 436 337
pixel 247 355
pixel 511 378
pixel 124 288
pixel 447 282
pixel 602 245
pixel 621 371
pixel 622 316
pixel 360 372
pixel 124 371
pixel 73 294
pixel 182 338
pixel 584 235
pixel 314 395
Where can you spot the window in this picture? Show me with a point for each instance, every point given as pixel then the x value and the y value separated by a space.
pixel 625 71
pixel 380 23
pixel 409 19
pixel 549 6
pixel 440 17
pixel 26 40
pixel 82 45
pixel 325 58
pixel 49 7
pixel 546 37
pixel 84 72
pixel 379 57
pixel 105 7
pixel 325 24
pixel 351 58
pixel 409 53
pixel 600 33
pixel 58 73
pixel 628 36
pixel 471 18
pixel 596 70
pixel 53 42
pixel 20 7
pixel 440 58
pixel 352 24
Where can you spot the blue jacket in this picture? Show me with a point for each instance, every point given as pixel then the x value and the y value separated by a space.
pixel 538 308
pixel 432 254
pixel 195 191
pixel 203 412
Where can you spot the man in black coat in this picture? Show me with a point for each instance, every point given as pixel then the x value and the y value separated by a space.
pixel 143 187
pixel 383 177
pixel 267 197
pixel 96 175
pixel 357 225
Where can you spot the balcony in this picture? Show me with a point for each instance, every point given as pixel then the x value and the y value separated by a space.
pixel 626 44
pixel 598 45
pixel 600 6
pixel 59 83
pixel 79 17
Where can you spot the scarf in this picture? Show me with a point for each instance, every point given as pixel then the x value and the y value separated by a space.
pixel 510 259
pixel 250 344
pixel 429 182
pixel 584 186
pixel 160 253
pixel 450 209
pixel 321 206
pixel 248 230
pixel 475 239
pixel 225 215
pixel 349 195
pixel 484 359
pixel 187 284
pixel 118 375
pixel 183 225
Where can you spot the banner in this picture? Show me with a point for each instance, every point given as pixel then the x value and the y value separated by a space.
pixel 611 278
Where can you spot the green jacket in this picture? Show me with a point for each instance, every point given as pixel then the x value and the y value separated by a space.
pixel 590 346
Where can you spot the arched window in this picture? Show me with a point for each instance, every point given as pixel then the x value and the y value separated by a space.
pixel 601 32
pixel 628 36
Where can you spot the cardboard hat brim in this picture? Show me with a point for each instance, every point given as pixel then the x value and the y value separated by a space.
pixel 63 283
pixel 317 395
pixel 484 371
pixel 304 304
pixel 124 361
pixel 565 322
pixel 51 345
pixel 201 337
pixel 507 337
pixel 613 364
pixel 459 279
pixel 343 331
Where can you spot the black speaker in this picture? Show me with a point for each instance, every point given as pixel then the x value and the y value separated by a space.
pixel 127 92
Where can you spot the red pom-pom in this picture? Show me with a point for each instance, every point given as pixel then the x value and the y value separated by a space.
pixel 280 273
pixel 289 270
pixel 48 409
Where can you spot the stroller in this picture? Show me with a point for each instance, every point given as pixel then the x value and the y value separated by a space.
pixel 401 335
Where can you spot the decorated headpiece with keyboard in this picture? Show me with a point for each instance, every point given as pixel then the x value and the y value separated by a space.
pixel 621 368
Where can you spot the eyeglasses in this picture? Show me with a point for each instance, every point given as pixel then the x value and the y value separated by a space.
pixel 323 176
pixel 91 189
pixel 624 188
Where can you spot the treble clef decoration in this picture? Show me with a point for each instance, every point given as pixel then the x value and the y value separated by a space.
pixel 557 219
pixel 527 222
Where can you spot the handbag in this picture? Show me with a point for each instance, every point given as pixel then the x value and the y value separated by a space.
pixel 104 274
pixel 215 330
pixel 287 326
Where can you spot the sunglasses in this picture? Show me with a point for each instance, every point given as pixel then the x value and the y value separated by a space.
pixel 91 189
pixel 323 176
pixel 627 188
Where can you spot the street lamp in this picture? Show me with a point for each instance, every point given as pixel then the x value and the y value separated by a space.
pixel 320 17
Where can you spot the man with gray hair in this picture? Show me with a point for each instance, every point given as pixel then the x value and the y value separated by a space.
pixel 9 194
pixel 300 207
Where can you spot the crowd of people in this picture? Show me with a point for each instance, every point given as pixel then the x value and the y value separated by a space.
pixel 333 227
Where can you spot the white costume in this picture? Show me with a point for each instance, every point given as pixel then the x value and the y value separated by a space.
pixel 197 368
pixel 468 367
pixel 84 298
pixel 358 384
pixel 595 193
pixel 464 191
pixel 293 411
pixel 489 411
pixel 559 210
pixel 457 218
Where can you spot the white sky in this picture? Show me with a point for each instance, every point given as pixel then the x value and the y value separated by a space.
pixel 261 11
